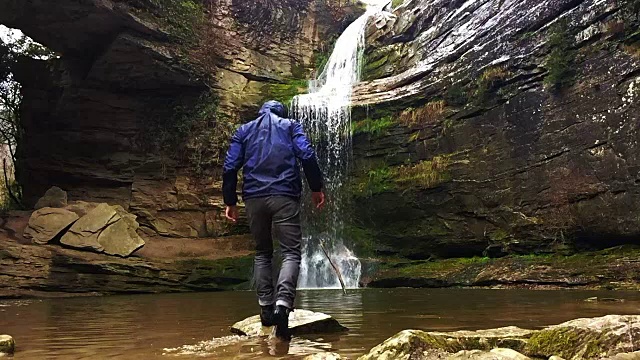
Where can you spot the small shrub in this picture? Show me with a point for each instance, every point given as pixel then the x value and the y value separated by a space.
pixel 374 127
pixel 455 95
pixel 426 174
pixel 427 114
pixel 560 60
pixel 491 79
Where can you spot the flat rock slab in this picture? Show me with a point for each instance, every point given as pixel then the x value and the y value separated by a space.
pixel 323 356
pixel 7 345
pixel 47 223
pixel 301 322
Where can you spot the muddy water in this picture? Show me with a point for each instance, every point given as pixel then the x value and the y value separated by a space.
pixel 182 326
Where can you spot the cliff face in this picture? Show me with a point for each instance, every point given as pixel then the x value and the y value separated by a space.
pixel 497 127
pixel 138 109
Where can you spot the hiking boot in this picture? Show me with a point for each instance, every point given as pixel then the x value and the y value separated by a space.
pixel 266 315
pixel 281 321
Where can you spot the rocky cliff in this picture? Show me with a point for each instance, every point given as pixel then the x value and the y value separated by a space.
pixel 499 127
pixel 139 106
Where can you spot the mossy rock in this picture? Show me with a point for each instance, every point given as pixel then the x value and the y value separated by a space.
pixel 7 345
pixel 590 338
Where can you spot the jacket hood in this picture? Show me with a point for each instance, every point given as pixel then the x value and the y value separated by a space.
pixel 274 107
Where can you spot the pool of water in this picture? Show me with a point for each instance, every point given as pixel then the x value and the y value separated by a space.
pixel 181 326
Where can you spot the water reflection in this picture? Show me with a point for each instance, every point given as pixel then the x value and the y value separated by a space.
pixel 189 325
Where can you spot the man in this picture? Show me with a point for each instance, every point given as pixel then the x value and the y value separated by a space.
pixel 268 149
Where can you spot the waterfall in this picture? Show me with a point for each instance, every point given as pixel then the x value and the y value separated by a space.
pixel 326 115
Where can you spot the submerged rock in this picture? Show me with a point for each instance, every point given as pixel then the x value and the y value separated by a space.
pixel 54 197
pixel 47 223
pixel 300 322
pixel 7 345
pixel 323 356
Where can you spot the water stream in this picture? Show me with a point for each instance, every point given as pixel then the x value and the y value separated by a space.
pixel 326 115
pixel 196 326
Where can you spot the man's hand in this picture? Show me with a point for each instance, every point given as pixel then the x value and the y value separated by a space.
pixel 231 213
pixel 318 199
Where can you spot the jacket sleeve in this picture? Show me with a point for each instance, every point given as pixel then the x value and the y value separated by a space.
pixel 304 151
pixel 232 164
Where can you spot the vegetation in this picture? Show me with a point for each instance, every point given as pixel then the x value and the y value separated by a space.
pixel 374 127
pixel 427 114
pixel 490 80
pixel 560 61
pixel 284 92
pixel 181 17
pixel 425 174
pixel 11 131
pixel 396 3
pixel 455 95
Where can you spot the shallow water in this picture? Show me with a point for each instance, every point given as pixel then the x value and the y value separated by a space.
pixel 182 326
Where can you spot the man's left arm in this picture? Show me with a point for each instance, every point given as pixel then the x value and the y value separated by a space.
pixel 232 164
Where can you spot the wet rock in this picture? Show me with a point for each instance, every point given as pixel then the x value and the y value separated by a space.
pixel 598 299
pixel 494 354
pixel 300 322
pixel 54 197
pixel 624 356
pixel 589 338
pixel 7 345
pixel 107 229
pixel 47 223
pixel 323 356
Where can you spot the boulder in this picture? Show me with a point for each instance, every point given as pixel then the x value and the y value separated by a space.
pixel 495 354
pixel 7 345
pixel 107 229
pixel 589 338
pixel 47 223
pixel 323 356
pixel 54 197
pixel 301 322
pixel 81 208
pixel 121 238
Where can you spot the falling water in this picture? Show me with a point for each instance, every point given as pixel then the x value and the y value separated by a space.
pixel 326 115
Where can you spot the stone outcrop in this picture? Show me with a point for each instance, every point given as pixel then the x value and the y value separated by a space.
pixel 47 223
pixel 145 94
pixel 594 338
pixel 301 322
pixel 7 345
pixel 473 138
pixel 54 198
pixel 107 229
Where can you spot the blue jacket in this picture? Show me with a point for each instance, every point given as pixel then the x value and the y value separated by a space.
pixel 268 150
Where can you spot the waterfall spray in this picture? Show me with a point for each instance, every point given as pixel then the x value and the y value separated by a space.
pixel 326 115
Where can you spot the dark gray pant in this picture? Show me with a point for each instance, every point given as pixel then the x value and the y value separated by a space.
pixel 282 215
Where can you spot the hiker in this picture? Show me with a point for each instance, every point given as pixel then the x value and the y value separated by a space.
pixel 268 149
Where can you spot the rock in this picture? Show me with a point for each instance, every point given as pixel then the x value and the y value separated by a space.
pixel 495 354
pixel 81 208
pixel 84 233
pixel 597 299
pixel 46 223
pixel 556 358
pixel 421 344
pixel 624 356
pixel 590 338
pixel 107 229
pixel 54 197
pixel 300 322
pixel 7 345
pixel 323 356
pixel 121 238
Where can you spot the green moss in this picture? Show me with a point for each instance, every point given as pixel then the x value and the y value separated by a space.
pixel 489 81
pixel 180 17
pixel 566 343
pixel 362 239
pixel 374 127
pixel 560 61
pixel 425 174
pixel 455 95
pixel 284 92
pixel 375 182
pixel 498 235
pixel 396 3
